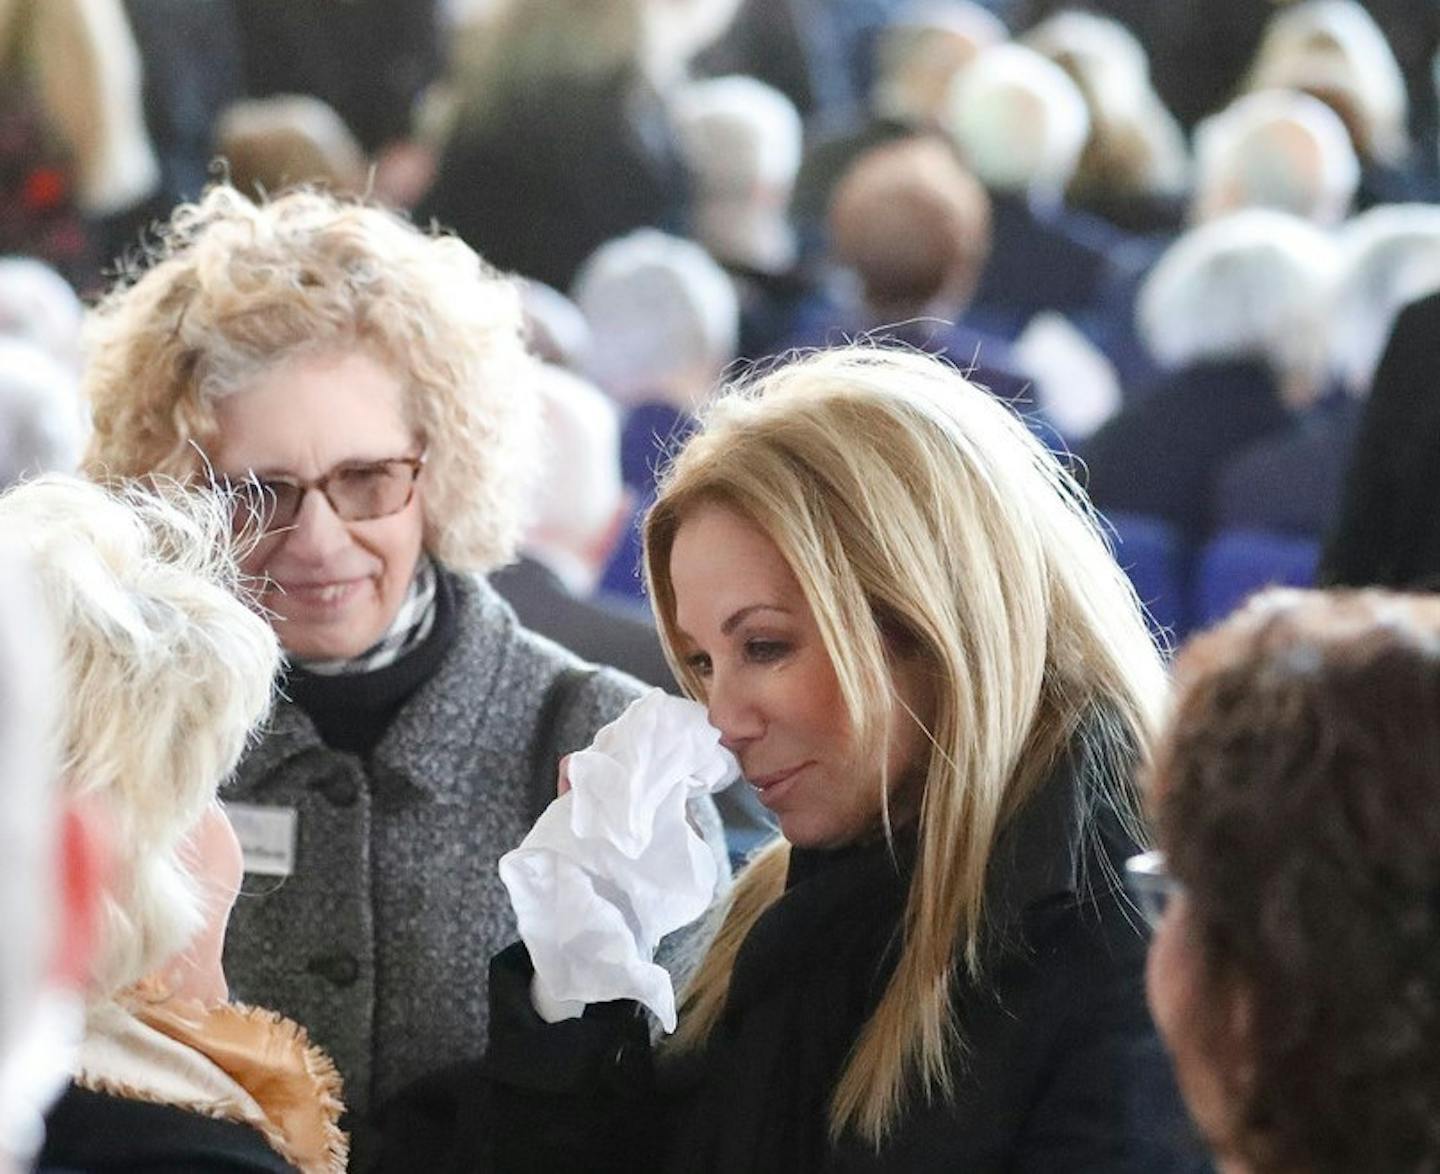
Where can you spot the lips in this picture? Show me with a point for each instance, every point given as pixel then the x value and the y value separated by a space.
pixel 329 594
pixel 766 782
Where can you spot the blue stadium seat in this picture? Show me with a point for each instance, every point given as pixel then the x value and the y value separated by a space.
pixel 1156 557
pixel 1236 563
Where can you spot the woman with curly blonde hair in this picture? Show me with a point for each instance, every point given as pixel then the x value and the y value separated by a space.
pixel 371 380
pixel 903 619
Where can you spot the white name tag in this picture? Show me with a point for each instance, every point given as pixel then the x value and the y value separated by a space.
pixel 267 837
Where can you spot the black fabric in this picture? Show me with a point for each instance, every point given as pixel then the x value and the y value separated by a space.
pixel 91 1132
pixel 1388 532
pixel 1062 1069
pixel 559 172
pixel 1161 455
pixel 370 59
pixel 353 711
pixel 1290 483
pixel 599 632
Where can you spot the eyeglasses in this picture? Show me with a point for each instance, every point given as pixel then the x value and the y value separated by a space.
pixel 357 492
pixel 1151 885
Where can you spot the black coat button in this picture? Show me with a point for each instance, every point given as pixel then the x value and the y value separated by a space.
pixel 341 788
pixel 339 967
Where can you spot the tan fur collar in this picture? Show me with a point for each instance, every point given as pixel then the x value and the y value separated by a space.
pixel 234 1062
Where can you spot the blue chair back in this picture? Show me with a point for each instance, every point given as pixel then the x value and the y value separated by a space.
pixel 1237 563
pixel 1156 557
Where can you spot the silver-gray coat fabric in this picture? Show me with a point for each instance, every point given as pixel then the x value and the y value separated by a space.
pixel 379 941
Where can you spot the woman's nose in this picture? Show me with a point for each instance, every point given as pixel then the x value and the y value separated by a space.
pixel 317 530
pixel 733 712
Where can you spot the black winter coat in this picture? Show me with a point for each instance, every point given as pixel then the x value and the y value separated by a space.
pixel 1061 1069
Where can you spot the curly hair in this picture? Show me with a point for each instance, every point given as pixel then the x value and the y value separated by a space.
pixel 1296 800
pixel 235 288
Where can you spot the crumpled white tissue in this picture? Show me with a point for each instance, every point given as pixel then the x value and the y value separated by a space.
pixel 613 865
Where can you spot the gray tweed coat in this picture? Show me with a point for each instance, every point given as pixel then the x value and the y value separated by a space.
pixel 379 941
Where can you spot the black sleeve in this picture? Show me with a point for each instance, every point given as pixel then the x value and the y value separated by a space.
pixel 574 1095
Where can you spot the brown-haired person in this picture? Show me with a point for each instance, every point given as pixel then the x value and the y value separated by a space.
pixel 373 380
pixel 1295 968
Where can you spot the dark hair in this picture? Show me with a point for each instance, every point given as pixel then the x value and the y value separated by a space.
pixel 1298 798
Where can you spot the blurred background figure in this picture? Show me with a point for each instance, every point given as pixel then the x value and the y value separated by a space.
pixel 76 162
pixel 1134 169
pixel 163 676
pixel 741 141
pixel 665 322
pixel 1294 968
pixel 270 144
pixel 1020 125
pixel 561 138
pixel 40 307
pixel 1275 149
pixel 40 414
pixel 372 61
pixel 1291 482
pixel 1334 50
pixel 918 52
pixel 577 512
pixel 1234 316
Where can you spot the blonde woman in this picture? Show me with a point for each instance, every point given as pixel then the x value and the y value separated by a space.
pixel 163 674
pixel 902 619
pixel 372 380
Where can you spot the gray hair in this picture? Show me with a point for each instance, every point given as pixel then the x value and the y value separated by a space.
pixel 1275 149
pixel 663 316
pixel 1253 285
pixel 1019 121
pixel 40 421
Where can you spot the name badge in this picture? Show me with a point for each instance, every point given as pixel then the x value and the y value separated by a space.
pixel 267 837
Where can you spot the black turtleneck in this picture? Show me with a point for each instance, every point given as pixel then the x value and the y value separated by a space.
pixel 353 711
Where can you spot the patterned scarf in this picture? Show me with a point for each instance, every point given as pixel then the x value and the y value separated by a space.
pixel 407 631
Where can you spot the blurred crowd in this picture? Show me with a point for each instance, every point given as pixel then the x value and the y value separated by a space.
pixel 1194 250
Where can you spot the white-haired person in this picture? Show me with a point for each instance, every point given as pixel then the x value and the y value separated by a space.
pixel 1135 167
pixel 40 414
pixel 39 306
pixel 372 380
pixel 904 622
pixel 741 141
pixel 1292 482
pixel 577 512
pixel 918 51
pixel 1335 50
pixel 664 323
pixel 162 675
pixel 1278 149
pixel 1020 125
pixel 1234 316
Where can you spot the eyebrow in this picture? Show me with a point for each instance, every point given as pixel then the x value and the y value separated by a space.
pixel 740 616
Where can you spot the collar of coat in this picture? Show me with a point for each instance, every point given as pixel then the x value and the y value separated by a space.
pixel 448 718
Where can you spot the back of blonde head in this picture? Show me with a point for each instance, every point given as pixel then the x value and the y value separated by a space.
pixel 910 503
pixel 162 674
pixel 237 288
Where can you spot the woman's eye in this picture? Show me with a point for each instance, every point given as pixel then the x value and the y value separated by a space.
pixel 698 663
pixel 766 651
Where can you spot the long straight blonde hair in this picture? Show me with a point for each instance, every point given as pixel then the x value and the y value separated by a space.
pixel 906 500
